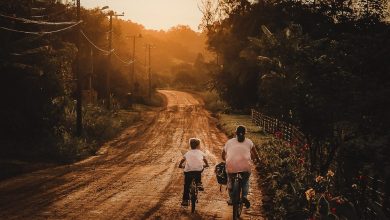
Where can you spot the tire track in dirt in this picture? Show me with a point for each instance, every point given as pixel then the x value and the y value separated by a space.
pixel 135 176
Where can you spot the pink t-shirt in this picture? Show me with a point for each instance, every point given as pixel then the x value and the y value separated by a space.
pixel 238 155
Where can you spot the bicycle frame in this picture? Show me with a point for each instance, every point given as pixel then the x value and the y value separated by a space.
pixel 237 195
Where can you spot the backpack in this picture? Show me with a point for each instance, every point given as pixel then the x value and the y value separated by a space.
pixel 220 173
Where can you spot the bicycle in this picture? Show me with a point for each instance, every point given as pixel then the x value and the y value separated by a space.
pixel 237 195
pixel 194 191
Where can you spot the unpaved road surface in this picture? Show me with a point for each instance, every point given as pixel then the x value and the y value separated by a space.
pixel 134 176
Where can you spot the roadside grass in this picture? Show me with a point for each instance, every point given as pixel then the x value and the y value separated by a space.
pixel 213 102
pixel 99 126
pixel 229 122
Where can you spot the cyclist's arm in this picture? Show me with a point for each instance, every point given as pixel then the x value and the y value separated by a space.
pixel 253 153
pixel 181 162
pixel 206 162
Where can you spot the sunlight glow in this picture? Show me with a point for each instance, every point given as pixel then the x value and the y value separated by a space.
pixel 154 14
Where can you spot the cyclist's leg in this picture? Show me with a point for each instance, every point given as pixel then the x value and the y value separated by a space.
pixel 230 187
pixel 245 188
pixel 245 184
pixel 187 183
pixel 198 179
pixel 198 176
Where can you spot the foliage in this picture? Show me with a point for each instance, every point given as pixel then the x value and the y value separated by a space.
pixel 99 125
pixel 213 102
pixel 320 65
pixel 290 190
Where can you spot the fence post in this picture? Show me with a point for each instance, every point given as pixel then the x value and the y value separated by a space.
pixel 386 201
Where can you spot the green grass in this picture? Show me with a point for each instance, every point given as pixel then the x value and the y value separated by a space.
pixel 213 102
pixel 229 122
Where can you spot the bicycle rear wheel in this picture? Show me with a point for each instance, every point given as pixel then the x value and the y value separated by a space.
pixel 237 204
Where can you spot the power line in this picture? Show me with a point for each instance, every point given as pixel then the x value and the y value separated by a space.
pixel 128 62
pixel 42 32
pixel 94 45
pixel 28 21
pixel 123 61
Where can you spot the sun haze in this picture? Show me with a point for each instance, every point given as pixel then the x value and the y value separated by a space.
pixel 154 14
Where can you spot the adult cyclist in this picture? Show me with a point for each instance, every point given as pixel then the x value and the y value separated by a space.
pixel 238 153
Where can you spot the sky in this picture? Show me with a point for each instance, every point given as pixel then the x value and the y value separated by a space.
pixel 154 14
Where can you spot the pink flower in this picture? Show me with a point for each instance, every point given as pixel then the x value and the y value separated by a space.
pixel 278 134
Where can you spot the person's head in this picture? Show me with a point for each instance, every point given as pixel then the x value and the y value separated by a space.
pixel 240 132
pixel 194 143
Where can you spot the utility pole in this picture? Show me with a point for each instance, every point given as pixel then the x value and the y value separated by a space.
pixel 149 47
pixel 150 76
pixel 91 70
pixel 108 92
pixel 79 123
pixel 133 76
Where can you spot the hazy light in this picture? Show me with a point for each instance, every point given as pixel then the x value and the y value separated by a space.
pixel 154 14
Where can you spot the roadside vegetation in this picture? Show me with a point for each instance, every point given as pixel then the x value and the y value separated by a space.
pixel 323 67
pixel 38 86
pixel 290 190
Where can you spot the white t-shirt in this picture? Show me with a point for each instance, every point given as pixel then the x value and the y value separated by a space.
pixel 194 160
pixel 238 155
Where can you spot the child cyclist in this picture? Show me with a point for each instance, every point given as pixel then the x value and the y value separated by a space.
pixel 194 160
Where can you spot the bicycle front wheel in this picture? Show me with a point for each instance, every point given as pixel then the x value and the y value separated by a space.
pixel 193 196
pixel 193 204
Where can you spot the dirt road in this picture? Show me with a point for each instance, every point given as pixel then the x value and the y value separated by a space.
pixel 134 176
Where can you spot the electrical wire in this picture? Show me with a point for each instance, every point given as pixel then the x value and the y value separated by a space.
pixel 123 61
pixel 128 62
pixel 94 45
pixel 28 21
pixel 42 32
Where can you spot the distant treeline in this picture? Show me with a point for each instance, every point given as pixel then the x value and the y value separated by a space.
pixel 37 63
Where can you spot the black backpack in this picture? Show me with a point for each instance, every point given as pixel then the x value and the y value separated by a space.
pixel 220 173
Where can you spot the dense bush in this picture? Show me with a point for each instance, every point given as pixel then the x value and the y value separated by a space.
pixel 291 191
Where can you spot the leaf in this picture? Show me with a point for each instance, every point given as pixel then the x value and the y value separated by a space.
pixel 267 32
pixel 255 41
pixel 323 206
pixel 264 59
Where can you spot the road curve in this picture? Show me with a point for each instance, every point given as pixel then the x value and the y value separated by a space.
pixel 134 176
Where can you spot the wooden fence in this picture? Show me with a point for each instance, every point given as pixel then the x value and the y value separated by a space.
pixel 287 132
pixel 374 198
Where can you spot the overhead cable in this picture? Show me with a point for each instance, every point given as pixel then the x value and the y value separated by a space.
pixel 123 61
pixel 94 45
pixel 28 21
pixel 41 32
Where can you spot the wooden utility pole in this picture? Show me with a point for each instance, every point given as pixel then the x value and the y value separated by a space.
pixel 150 76
pixel 133 77
pixel 91 73
pixel 108 92
pixel 79 123
pixel 148 50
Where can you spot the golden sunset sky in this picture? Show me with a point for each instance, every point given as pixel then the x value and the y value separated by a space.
pixel 154 14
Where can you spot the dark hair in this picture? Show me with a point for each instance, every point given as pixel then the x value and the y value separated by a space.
pixel 194 143
pixel 240 132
